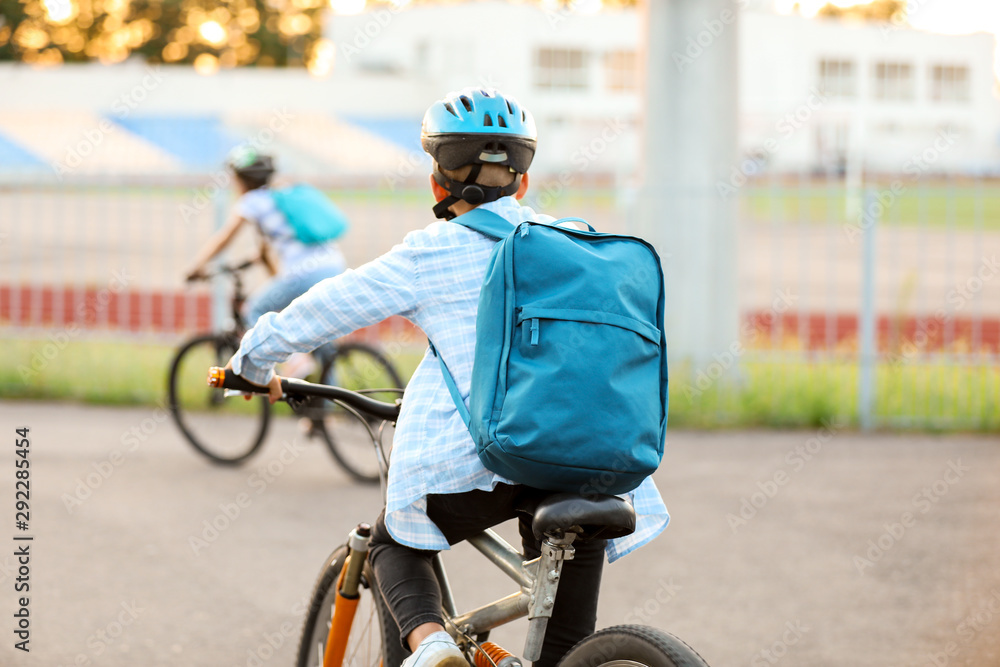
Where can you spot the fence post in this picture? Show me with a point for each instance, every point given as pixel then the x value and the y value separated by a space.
pixel 867 345
pixel 220 300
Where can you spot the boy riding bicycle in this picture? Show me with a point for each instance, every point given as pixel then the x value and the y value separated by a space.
pixel 299 265
pixel 439 492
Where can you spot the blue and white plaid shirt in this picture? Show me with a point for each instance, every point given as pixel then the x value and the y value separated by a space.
pixel 433 279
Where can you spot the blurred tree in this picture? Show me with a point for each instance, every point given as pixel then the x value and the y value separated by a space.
pixel 208 33
pixel 877 10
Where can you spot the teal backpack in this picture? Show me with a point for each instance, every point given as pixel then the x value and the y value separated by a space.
pixel 310 213
pixel 569 379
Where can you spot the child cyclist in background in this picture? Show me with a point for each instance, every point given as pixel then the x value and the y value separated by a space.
pixel 299 265
pixel 439 493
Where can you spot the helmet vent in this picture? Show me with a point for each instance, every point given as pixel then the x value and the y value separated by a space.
pixel 500 121
pixel 466 102
pixel 524 117
pixel 487 121
pixel 510 107
pixel 451 109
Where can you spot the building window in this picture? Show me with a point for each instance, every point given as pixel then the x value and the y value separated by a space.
pixel 950 83
pixel 620 71
pixel 561 69
pixel 893 82
pixel 836 78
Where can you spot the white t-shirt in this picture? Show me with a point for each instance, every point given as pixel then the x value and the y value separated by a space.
pixel 258 207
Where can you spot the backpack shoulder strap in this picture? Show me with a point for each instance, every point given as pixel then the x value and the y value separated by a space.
pixel 449 381
pixel 487 223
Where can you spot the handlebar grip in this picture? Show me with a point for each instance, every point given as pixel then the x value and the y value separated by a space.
pixel 218 377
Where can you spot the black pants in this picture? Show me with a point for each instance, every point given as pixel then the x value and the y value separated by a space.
pixel 411 591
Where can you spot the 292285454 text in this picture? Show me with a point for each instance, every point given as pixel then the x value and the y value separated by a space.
pixel 22 540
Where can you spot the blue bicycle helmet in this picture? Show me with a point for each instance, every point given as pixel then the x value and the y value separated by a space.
pixel 477 126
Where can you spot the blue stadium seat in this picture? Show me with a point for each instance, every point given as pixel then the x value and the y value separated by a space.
pixel 13 156
pixel 199 141
pixel 403 132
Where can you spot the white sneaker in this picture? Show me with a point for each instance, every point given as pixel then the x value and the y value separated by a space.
pixel 437 650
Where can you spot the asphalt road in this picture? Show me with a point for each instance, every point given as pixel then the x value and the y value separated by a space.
pixel 790 548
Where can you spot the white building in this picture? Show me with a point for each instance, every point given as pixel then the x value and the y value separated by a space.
pixel 814 94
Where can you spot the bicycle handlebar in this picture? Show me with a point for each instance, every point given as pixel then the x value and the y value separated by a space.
pixel 224 269
pixel 218 377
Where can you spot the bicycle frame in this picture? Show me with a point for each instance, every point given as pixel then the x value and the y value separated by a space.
pixel 538 580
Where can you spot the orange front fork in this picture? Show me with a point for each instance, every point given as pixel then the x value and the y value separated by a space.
pixel 346 602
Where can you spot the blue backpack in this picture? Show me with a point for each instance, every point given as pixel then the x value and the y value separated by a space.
pixel 310 213
pixel 569 379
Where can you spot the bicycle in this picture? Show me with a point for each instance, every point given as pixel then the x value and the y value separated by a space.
pixel 348 623
pixel 230 432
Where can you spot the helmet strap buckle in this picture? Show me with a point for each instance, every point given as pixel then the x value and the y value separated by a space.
pixel 468 191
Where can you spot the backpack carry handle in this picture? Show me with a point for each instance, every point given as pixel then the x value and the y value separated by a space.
pixel 558 223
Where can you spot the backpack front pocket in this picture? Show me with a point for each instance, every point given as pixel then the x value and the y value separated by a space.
pixel 582 384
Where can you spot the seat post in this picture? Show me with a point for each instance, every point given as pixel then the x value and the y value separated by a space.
pixel 555 549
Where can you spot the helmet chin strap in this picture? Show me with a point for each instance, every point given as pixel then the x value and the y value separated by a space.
pixel 468 191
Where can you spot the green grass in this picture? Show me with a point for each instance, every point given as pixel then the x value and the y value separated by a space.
pixel 966 206
pixel 109 373
pixel 797 394
pixel 802 394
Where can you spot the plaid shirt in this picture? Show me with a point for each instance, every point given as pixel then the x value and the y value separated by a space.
pixel 432 278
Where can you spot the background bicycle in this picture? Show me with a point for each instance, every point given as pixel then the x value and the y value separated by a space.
pixel 348 623
pixel 229 432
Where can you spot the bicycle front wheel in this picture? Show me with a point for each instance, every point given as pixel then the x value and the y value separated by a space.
pixel 632 646
pixel 357 367
pixel 225 430
pixel 373 640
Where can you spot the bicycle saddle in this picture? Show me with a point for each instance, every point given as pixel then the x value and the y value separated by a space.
pixel 590 517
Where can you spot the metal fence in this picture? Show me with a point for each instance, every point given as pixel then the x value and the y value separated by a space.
pixel 877 305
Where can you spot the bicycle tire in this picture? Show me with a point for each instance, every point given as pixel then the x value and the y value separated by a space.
pixel 224 430
pixel 384 647
pixel 632 646
pixel 355 366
